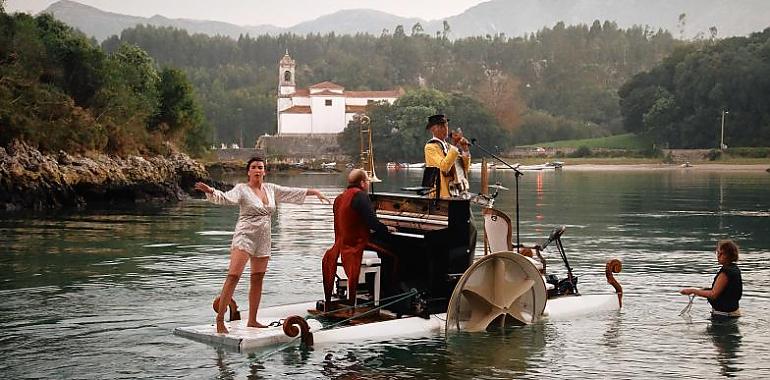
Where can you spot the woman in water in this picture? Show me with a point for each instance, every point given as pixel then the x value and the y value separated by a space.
pixel 727 287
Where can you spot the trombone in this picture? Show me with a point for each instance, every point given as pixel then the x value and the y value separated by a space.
pixel 367 155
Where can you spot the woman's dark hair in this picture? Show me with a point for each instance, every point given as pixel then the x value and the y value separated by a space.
pixel 254 159
pixel 729 249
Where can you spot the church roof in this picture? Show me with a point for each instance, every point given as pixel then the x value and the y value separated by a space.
pixel 327 93
pixel 297 109
pixel 328 85
pixel 375 94
pixel 304 92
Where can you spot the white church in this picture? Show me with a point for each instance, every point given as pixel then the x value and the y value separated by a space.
pixel 323 108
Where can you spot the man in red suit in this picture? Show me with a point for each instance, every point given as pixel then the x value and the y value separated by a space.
pixel 354 222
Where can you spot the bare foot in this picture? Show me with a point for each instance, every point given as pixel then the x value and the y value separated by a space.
pixel 256 324
pixel 221 329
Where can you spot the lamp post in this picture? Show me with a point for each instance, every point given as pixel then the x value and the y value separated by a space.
pixel 240 124
pixel 722 145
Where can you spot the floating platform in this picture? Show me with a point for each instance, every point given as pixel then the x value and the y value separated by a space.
pixel 249 339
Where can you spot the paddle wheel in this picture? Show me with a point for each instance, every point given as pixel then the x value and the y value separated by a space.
pixel 500 289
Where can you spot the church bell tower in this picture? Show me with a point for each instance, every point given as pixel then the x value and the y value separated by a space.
pixel 286 85
pixel 286 82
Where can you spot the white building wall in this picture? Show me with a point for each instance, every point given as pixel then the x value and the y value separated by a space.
pixel 301 100
pixel 284 103
pixel 323 119
pixel 348 118
pixel 294 123
pixel 327 119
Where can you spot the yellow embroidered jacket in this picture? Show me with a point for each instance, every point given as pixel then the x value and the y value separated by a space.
pixel 436 158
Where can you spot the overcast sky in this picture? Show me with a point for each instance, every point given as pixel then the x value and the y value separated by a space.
pixel 256 12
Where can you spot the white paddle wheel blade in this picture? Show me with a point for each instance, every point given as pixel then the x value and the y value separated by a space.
pixel 503 287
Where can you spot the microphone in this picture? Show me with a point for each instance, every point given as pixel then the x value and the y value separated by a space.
pixel 473 141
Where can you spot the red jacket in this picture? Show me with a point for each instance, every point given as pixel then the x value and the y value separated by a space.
pixel 351 235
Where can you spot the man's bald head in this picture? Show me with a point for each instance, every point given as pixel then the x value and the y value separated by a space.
pixel 356 176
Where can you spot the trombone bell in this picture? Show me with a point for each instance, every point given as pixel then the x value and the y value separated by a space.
pixel 367 148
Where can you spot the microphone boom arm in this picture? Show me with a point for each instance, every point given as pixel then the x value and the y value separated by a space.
pixel 517 174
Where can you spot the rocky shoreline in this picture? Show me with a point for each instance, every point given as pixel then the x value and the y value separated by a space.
pixel 30 179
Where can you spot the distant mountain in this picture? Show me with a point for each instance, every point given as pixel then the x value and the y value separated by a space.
pixel 100 24
pixel 511 17
pixel 352 21
pixel 517 17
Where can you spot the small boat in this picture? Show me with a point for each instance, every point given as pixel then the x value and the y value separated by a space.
pixel 396 165
pixel 545 166
pixel 477 166
pixel 419 165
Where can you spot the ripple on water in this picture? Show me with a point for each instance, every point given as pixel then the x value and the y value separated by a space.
pixel 96 294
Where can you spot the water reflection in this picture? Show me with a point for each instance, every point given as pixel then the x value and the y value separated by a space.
pixel 509 353
pixel 110 286
pixel 726 336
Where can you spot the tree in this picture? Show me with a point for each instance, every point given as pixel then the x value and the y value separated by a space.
pixel 679 102
pixel 500 94
pixel 139 72
pixel 681 24
pixel 399 32
pixel 179 117
pixel 446 29
pixel 417 29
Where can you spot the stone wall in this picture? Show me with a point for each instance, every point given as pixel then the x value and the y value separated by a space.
pixel 684 155
pixel 243 154
pixel 294 148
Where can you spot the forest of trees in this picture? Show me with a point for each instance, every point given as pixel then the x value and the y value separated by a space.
pixel 61 91
pixel 558 83
pixel 149 85
pixel 680 102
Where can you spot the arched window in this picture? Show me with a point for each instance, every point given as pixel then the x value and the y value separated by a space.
pixel 287 76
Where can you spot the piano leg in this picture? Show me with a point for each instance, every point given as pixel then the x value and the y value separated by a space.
pixel 389 265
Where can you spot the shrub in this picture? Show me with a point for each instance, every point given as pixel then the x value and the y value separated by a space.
pixel 714 155
pixel 582 151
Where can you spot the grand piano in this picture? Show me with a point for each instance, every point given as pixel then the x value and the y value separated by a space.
pixel 433 245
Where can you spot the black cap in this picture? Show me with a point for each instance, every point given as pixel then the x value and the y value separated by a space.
pixel 436 119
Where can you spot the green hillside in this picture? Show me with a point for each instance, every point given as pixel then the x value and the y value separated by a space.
pixel 628 141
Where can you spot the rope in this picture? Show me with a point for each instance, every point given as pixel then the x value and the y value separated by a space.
pixel 325 313
pixel 405 296
pixel 686 310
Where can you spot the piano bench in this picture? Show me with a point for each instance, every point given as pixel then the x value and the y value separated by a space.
pixel 370 263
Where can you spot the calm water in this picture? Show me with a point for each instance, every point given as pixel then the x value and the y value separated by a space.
pixel 97 293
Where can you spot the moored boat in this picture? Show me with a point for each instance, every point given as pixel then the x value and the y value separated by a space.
pixel 546 166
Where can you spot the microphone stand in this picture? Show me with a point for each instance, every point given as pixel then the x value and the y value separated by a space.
pixel 517 174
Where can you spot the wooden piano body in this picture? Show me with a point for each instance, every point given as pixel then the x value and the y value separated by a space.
pixel 434 245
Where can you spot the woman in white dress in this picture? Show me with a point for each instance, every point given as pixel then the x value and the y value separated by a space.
pixel 251 240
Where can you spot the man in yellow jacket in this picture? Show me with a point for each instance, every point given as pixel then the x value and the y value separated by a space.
pixel 441 155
